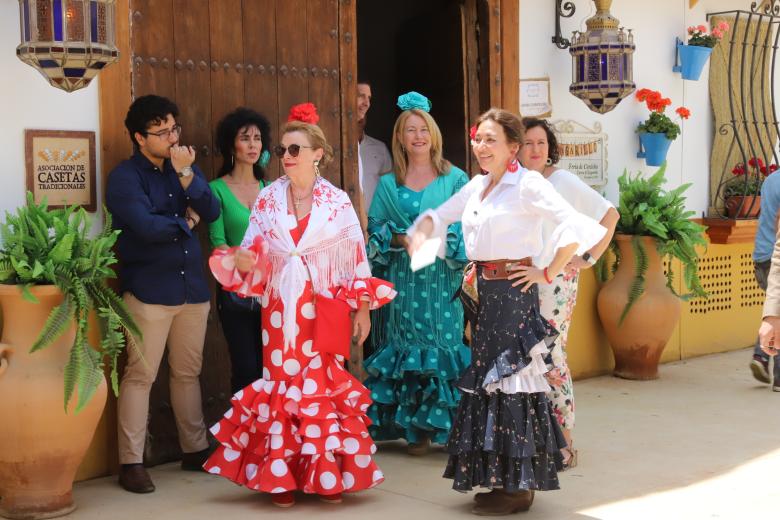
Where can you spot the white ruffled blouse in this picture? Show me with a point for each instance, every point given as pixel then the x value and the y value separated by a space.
pixel 508 223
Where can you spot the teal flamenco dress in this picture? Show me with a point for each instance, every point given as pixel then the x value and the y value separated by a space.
pixel 419 336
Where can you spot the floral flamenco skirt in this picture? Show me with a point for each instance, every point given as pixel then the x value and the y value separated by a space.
pixel 505 434
pixel 308 433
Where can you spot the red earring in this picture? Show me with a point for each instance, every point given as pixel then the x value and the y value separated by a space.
pixel 513 165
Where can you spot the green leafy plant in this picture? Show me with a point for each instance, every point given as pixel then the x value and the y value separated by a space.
pixel 43 247
pixel 646 209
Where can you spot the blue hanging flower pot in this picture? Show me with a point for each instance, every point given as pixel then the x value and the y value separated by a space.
pixel 653 148
pixel 691 60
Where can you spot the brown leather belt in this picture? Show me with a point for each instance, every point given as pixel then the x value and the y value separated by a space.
pixel 497 269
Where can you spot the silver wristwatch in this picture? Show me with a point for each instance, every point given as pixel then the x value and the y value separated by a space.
pixel 185 172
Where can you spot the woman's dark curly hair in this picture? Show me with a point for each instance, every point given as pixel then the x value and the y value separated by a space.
pixel 228 129
pixel 552 142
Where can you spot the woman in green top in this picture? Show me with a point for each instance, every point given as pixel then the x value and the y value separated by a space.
pixel 419 336
pixel 244 139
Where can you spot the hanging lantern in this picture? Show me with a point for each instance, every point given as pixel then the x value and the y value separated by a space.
pixel 602 61
pixel 68 41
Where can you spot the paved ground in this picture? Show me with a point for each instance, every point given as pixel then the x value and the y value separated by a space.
pixel 701 442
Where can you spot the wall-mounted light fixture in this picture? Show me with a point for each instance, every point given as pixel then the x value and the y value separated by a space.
pixel 602 61
pixel 565 10
pixel 68 41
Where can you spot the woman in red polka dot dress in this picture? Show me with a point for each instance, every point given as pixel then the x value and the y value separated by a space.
pixel 303 425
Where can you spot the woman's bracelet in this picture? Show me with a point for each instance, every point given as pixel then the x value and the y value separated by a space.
pixel 546 276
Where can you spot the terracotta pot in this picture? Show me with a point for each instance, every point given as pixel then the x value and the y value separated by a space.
pixel 41 446
pixel 639 341
pixel 743 206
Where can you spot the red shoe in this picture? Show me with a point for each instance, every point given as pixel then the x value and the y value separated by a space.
pixel 331 499
pixel 285 499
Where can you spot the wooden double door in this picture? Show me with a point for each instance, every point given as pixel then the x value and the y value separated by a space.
pixel 212 56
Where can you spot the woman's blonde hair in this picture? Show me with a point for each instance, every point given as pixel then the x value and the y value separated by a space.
pixel 316 138
pixel 400 161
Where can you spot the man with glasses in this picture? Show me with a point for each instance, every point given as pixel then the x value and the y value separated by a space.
pixel 156 198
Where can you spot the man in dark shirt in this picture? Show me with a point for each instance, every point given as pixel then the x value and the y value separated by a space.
pixel 156 198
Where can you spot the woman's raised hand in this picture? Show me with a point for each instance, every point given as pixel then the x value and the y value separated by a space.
pixel 245 260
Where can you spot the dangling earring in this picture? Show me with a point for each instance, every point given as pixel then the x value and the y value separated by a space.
pixel 317 168
pixel 548 162
pixel 232 161
pixel 513 165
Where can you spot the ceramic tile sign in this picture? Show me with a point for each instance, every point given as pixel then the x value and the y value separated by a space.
pixel 583 151
pixel 61 167
pixel 535 98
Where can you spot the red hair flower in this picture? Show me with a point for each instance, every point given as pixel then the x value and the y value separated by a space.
pixel 305 112
pixel 683 112
pixel 473 132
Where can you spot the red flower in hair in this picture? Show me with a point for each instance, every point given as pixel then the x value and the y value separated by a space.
pixel 305 112
pixel 473 132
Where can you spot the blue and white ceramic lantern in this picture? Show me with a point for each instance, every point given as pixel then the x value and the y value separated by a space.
pixel 68 41
pixel 602 61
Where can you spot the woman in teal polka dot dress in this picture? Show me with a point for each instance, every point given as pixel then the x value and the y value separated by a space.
pixel 418 336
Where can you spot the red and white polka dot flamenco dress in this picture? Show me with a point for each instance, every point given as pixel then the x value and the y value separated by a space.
pixel 303 425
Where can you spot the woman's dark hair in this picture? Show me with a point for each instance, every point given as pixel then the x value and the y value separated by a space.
pixel 513 127
pixel 227 131
pixel 552 142
pixel 147 111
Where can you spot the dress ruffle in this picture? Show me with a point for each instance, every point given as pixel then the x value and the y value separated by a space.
pixel 504 441
pixel 309 433
pixel 413 390
pixel 378 292
pixel 523 361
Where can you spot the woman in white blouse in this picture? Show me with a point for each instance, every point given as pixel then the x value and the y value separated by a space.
pixel 556 300
pixel 505 437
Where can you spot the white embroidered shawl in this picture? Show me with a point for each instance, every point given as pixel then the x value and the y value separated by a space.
pixel 332 246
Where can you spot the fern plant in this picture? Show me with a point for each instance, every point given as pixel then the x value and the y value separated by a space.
pixel 646 209
pixel 42 247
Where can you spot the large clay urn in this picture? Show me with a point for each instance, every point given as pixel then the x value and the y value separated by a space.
pixel 639 341
pixel 41 446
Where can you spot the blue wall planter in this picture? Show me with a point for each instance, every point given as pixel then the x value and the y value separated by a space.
pixel 691 60
pixel 653 148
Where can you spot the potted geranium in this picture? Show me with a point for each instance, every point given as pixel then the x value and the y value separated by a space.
pixel 657 132
pixel 742 192
pixel 53 272
pixel 639 306
pixel 694 54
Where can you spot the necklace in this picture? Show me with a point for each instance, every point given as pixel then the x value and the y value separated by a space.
pixel 298 201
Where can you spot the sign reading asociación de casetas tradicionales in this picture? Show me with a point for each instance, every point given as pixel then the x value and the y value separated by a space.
pixel 61 167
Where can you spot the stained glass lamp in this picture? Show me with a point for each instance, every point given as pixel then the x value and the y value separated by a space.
pixel 602 61
pixel 68 41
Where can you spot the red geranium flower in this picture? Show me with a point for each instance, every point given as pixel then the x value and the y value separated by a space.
pixel 755 162
pixel 683 112
pixel 305 112
pixel 738 169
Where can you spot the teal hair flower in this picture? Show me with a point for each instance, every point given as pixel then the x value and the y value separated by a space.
pixel 414 100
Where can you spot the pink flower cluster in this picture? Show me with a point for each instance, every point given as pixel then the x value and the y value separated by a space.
pixel 701 30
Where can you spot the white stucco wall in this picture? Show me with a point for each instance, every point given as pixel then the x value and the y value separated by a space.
pixel 655 27
pixel 27 101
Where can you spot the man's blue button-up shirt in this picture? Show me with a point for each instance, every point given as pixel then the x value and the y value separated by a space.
pixel 161 257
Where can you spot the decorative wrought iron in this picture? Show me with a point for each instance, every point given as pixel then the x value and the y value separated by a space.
pixel 68 41
pixel 602 61
pixel 752 124
pixel 565 10
pixel 769 7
